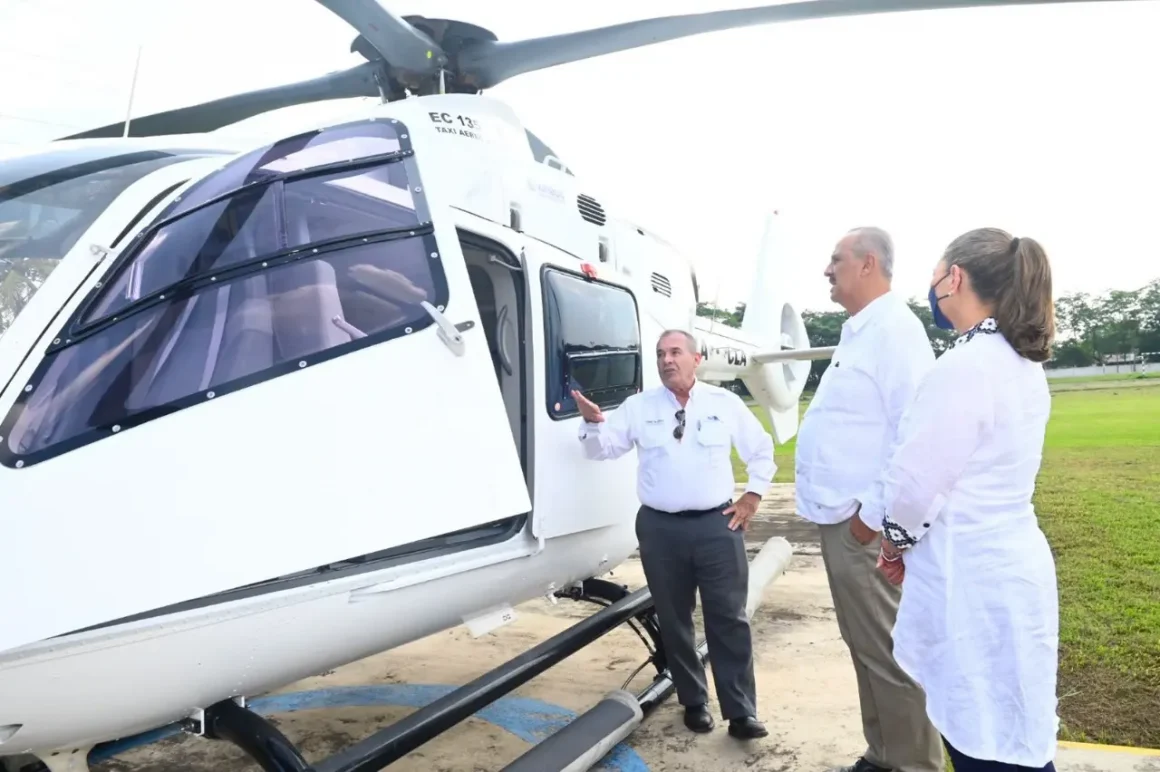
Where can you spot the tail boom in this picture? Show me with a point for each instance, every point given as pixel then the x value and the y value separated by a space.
pixel 774 378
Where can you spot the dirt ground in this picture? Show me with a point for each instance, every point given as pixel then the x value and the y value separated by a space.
pixel 806 690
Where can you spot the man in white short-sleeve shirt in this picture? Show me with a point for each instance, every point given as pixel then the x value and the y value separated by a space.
pixel 690 531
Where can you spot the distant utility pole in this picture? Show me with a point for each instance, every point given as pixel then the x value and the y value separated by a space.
pixel 132 90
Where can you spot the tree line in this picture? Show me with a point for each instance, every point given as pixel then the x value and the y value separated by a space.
pixel 1119 326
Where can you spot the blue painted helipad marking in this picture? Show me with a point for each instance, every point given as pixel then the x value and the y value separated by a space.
pixel 529 719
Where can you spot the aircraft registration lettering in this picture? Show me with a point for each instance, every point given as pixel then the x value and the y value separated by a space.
pixel 732 356
pixel 454 123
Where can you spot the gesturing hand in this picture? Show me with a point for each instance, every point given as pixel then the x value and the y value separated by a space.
pixel 587 408
pixel 742 510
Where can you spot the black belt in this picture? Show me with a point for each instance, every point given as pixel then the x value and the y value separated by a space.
pixel 691 512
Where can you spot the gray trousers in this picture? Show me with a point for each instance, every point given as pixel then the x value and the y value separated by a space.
pixel 682 554
pixel 899 736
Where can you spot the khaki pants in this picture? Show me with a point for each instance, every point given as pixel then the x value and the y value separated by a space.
pixel 898 733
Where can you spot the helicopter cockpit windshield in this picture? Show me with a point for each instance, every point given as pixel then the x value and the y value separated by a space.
pixel 310 247
pixel 44 211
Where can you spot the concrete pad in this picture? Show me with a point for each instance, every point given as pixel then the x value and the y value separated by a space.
pixel 1079 757
pixel 807 693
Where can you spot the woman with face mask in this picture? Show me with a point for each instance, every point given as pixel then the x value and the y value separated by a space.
pixel 978 621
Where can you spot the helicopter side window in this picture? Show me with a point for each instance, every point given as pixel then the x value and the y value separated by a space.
pixel 270 200
pixel 592 343
pixel 276 276
pixel 308 151
pixel 261 221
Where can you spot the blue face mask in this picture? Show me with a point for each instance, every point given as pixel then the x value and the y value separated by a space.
pixel 940 319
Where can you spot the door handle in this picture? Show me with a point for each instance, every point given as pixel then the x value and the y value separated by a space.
pixel 450 334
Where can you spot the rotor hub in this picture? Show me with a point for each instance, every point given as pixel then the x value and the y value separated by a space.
pixel 449 34
pixel 451 37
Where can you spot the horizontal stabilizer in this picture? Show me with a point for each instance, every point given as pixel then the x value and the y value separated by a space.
pixel 792 354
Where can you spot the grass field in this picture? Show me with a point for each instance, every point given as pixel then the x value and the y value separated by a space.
pixel 1098 500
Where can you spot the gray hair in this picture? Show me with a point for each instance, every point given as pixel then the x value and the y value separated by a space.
pixel 690 341
pixel 876 241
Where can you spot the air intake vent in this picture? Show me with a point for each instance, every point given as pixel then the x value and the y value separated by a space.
pixel 591 210
pixel 661 285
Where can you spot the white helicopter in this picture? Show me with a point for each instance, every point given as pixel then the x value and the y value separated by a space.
pixel 358 317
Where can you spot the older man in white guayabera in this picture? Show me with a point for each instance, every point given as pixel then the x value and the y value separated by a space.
pixel 843 445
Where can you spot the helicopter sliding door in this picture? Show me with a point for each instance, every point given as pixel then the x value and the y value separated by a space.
pixel 286 369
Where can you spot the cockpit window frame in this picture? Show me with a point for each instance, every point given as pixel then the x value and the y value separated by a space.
pixel 559 404
pixel 77 328
pixel 423 232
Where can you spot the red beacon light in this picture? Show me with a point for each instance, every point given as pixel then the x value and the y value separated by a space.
pixel 588 270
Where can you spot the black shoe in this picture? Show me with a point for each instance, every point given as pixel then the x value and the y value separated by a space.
pixel 748 728
pixel 698 719
pixel 862 765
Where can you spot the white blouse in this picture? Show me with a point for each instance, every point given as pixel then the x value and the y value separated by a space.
pixel 978 623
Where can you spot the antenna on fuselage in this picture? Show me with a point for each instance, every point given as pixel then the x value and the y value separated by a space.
pixel 132 90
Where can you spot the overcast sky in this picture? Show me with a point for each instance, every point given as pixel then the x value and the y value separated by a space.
pixel 1041 120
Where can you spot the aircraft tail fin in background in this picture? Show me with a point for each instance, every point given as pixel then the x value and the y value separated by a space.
pixel 771 321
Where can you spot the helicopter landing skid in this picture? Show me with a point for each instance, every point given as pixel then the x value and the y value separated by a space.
pixel 646 625
pixel 274 753
pixel 235 723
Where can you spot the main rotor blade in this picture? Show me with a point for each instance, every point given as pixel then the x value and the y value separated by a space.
pixel 356 82
pixel 401 45
pixel 487 63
